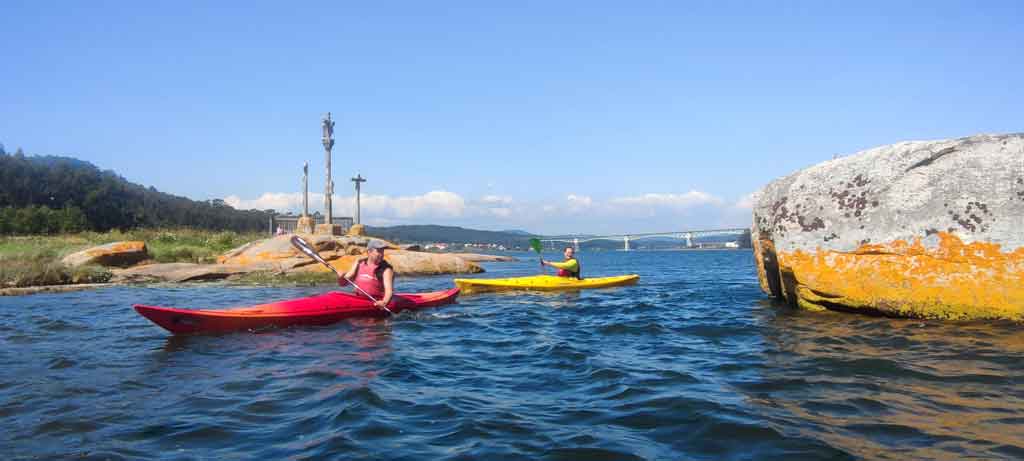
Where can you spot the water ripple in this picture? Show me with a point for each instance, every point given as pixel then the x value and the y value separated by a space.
pixel 691 363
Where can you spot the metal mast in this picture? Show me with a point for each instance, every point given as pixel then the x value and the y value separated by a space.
pixel 305 189
pixel 328 140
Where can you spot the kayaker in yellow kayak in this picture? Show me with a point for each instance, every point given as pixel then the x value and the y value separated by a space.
pixel 568 268
pixel 373 274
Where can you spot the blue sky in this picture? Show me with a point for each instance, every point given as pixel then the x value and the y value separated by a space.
pixel 553 117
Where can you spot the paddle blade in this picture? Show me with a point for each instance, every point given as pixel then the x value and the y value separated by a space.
pixel 535 244
pixel 306 248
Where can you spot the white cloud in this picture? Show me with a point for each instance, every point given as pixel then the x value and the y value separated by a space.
pixel 430 204
pixel 497 199
pixel 501 212
pixel 433 203
pixel 689 199
pixel 579 200
pixel 748 201
pixel 280 201
pixel 578 213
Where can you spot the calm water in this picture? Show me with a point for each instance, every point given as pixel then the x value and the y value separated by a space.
pixel 692 363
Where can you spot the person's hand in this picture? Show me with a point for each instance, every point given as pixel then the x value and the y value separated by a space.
pixel 380 304
pixel 342 281
pixel 542 261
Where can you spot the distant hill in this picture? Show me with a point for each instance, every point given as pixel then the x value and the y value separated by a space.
pixel 430 233
pixel 46 194
pixel 517 232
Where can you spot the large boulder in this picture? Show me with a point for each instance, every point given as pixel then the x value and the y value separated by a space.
pixel 341 252
pixel 409 263
pixel 927 229
pixel 118 254
pixel 280 248
pixel 476 257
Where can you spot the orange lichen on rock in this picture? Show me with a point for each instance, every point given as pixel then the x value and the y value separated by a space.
pixel 953 280
pixel 408 262
pixel 111 254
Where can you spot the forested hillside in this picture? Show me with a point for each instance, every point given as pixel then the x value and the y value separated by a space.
pixel 49 194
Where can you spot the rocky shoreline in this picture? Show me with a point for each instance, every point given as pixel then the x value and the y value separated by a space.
pixel 129 262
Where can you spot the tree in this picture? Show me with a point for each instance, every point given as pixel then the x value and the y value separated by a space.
pixel 62 191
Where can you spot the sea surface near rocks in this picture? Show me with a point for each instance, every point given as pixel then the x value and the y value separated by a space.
pixel 692 363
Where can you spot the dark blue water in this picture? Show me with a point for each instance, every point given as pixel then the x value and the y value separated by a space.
pixel 691 363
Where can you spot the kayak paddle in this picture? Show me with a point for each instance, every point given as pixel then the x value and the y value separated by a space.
pixel 306 248
pixel 535 244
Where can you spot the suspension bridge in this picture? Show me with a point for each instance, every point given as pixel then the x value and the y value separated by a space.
pixel 687 235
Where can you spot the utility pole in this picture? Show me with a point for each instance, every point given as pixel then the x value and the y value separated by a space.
pixel 358 180
pixel 306 224
pixel 328 140
pixel 305 189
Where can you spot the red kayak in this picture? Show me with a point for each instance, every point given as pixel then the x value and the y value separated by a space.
pixel 316 310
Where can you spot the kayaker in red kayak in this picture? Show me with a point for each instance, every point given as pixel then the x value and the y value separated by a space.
pixel 373 274
pixel 568 268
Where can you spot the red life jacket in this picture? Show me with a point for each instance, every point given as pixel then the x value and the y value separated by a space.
pixel 370 278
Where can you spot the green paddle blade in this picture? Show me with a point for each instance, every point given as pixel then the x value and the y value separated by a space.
pixel 535 244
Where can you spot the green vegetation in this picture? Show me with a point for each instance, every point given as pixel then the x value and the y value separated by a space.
pixel 27 262
pixel 36 259
pixel 186 245
pixel 48 195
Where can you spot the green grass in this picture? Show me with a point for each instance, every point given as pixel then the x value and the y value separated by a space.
pixel 35 259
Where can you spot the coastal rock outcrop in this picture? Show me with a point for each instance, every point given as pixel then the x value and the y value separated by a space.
pixel 409 263
pixel 476 257
pixel 118 254
pixel 924 229
pixel 277 255
pixel 280 248
pixel 185 272
pixel 341 252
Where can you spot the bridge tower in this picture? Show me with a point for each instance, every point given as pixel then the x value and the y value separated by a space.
pixel 689 239
pixel 575 244
pixel 625 243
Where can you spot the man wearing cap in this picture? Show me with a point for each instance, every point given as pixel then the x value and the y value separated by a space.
pixel 373 274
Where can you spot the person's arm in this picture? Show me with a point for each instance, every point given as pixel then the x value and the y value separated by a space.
pixel 389 287
pixel 570 265
pixel 351 272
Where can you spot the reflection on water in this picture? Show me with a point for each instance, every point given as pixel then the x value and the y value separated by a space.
pixel 893 389
pixel 691 363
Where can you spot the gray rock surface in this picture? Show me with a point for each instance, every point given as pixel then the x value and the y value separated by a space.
pixel 972 187
pixel 919 229
pixel 185 272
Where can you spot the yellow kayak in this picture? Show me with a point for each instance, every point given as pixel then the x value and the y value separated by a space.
pixel 543 282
